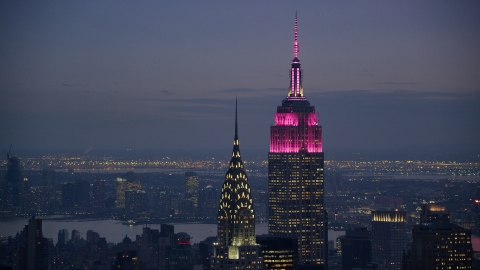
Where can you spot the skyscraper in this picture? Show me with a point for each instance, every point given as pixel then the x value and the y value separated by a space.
pixel 432 213
pixel 34 252
pixel 236 246
pixel 295 172
pixel 14 179
pixel 356 248
pixel 62 237
pixel 441 245
pixel 191 188
pixel 389 237
pixel 124 185
pixel 98 194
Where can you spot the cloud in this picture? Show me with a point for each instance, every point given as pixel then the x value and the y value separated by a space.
pixel 166 92
pixel 74 85
pixel 399 83
pixel 277 89
pixel 237 90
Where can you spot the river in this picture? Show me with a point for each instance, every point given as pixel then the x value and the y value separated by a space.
pixel 114 231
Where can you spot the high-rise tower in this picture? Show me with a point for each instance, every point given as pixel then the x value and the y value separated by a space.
pixel 295 172
pixel 389 238
pixel 236 246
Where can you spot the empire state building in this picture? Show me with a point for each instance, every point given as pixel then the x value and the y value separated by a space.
pixel 296 172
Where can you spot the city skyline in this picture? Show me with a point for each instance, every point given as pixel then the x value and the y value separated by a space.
pixel 140 76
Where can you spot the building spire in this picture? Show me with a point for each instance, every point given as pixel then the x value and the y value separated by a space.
pixel 236 144
pixel 236 122
pixel 295 90
pixel 295 35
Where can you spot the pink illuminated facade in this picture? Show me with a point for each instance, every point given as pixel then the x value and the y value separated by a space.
pixel 296 124
pixel 296 172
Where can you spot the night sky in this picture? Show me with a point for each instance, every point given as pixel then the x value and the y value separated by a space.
pixel 385 77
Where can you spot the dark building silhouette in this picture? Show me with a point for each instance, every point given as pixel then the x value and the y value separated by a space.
pixel 98 194
pixel 432 213
pixel 476 205
pixel 162 204
pixel 33 254
pixel 185 209
pixel 69 196
pixel 440 246
pixel 205 251
pixel 236 246
pixel 35 201
pixel 207 202
pixel 136 202
pixel 166 242
pixel 82 190
pixel 131 177
pixel 181 255
pixel 127 260
pixel 92 237
pixel 14 179
pixel 63 237
pixel 296 173
pixel 48 176
pixel 389 238
pixel 75 235
pixel 5 198
pixel 356 249
pixel 149 248
pixel 278 253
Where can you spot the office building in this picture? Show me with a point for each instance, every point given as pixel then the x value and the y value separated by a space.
pixel 82 193
pixel 69 195
pixel 182 254
pixel 296 172
pixel 98 194
pixel 136 203
pixel 278 253
pixel 149 248
pixel 48 176
pixel 34 252
pixel 191 188
pixel 123 185
pixel 207 202
pixel 433 213
pixel 441 246
pixel 15 186
pixel 389 238
pixel 127 260
pixel 356 249
pixel 75 235
pixel 236 246
pixel 476 204
pixel 162 204
pixel 63 237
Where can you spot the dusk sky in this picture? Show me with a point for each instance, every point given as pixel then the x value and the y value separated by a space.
pixel 163 75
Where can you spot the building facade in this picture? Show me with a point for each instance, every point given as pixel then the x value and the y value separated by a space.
pixel 278 253
pixel 356 249
pixel 15 184
pixel 236 246
pixel 296 172
pixel 34 252
pixel 389 238
pixel 441 246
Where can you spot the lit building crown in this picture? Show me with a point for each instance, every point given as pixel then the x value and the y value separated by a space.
pixel 296 125
pixel 236 220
